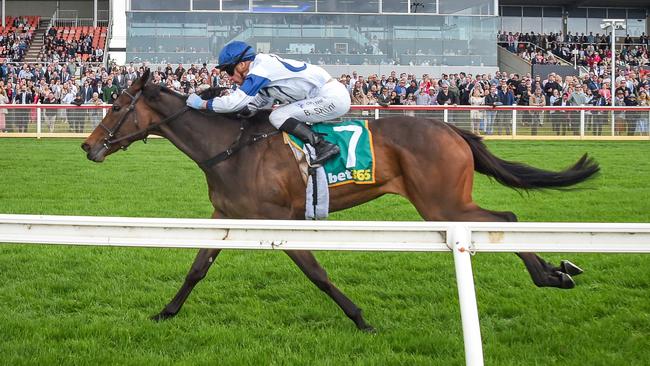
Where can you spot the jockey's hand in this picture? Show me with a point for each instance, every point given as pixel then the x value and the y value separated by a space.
pixel 195 102
pixel 247 112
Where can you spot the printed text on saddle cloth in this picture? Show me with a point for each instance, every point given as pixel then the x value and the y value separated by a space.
pixel 356 162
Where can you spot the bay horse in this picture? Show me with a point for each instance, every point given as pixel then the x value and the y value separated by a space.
pixel 251 174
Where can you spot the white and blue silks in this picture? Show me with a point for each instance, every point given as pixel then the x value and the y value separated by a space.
pixel 306 92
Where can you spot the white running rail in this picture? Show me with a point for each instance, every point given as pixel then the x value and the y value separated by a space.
pixel 463 238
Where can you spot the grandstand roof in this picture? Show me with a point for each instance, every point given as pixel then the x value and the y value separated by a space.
pixel 582 3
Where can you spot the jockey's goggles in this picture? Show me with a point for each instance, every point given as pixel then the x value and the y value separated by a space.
pixel 230 68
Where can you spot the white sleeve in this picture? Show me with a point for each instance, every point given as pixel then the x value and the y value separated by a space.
pixel 232 102
pixel 261 102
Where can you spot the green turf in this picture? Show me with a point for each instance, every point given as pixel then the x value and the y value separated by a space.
pixel 84 305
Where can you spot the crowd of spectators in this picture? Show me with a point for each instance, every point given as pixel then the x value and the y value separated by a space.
pixel 15 40
pixel 80 48
pixel 502 89
pixel 589 50
pixel 72 83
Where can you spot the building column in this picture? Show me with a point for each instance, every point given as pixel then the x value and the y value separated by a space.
pixel 95 13
pixel 4 21
pixel 117 44
pixel 565 22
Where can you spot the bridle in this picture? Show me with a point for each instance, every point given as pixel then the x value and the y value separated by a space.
pixel 109 140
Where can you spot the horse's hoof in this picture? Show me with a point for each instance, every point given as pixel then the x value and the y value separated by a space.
pixel 570 268
pixel 566 282
pixel 163 315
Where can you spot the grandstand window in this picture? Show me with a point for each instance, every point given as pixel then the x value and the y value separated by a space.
pixel 552 21
pixel 616 13
pixel 234 4
pixel 594 19
pixel 423 6
pixel 636 22
pixel 473 7
pixel 347 6
pixel 284 6
pixel 395 6
pixel 511 11
pixel 160 5
pixel 532 18
pixel 511 24
pixel 552 12
pixel 205 4
pixel 551 25
pixel 577 21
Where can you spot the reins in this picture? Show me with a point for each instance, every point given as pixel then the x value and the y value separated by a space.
pixel 236 146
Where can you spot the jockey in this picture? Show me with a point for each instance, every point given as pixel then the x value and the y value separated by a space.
pixel 307 92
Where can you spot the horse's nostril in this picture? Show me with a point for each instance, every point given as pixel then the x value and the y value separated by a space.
pixel 85 147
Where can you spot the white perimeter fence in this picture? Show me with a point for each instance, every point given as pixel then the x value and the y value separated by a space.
pixel 503 122
pixel 462 238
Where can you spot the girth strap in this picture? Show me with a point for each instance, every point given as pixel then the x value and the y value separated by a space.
pixel 233 149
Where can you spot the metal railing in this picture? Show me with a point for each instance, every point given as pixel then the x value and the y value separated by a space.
pixel 70 18
pixel 528 122
pixel 463 239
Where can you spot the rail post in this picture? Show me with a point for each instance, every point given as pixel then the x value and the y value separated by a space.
pixel 376 113
pixel 514 122
pixel 39 124
pixel 582 123
pixel 459 241
pixel 445 115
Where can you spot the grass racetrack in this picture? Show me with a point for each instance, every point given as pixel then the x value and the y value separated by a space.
pixel 91 305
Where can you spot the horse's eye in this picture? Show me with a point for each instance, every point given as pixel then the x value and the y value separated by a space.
pixel 116 108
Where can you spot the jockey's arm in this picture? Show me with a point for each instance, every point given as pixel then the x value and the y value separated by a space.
pixel 235 101
pixel 232 102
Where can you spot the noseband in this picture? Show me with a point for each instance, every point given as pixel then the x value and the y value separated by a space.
pixel 109 140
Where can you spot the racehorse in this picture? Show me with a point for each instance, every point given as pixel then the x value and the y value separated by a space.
pixel 252 174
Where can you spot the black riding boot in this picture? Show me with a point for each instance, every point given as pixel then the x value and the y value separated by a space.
pixel 325 150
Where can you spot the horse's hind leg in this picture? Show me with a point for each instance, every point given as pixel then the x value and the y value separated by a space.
pixel 541 272
pixel 316 274
pixel 202 263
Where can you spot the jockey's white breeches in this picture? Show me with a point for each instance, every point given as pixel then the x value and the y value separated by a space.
pixel 332 101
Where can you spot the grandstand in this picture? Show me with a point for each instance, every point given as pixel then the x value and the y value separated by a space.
pixel 386 53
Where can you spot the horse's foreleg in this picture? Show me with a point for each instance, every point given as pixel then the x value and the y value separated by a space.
pixel 316 274
pixel 202 263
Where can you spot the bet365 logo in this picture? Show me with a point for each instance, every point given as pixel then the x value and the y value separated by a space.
pixel 361 175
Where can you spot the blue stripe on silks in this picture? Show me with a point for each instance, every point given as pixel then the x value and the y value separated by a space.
pixel 253 83
pixel 209 106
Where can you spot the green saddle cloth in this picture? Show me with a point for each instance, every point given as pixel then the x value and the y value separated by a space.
pixel 356 162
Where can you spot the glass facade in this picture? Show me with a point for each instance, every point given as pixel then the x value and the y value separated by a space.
pixel 448 7
pixel 579 20
pixel 319 38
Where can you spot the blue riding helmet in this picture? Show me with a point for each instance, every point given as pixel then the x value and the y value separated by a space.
pixel 234 53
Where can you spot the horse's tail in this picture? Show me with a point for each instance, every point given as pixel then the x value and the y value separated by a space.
pixel 518 175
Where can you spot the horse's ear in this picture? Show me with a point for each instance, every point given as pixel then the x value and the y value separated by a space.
pixel 144 78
